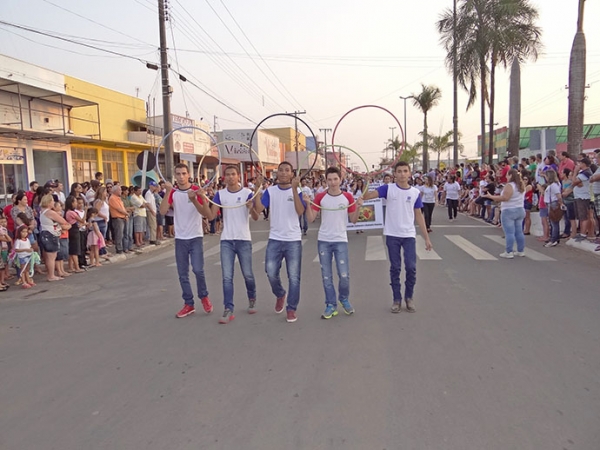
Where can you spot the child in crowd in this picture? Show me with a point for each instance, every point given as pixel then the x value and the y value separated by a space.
pixel 24 252
pixel 82 233
pixel 76 221
pixel 95 240
pixel 4 240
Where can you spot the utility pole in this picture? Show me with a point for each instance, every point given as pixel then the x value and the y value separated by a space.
pixel 166 90
pixel 325 130
pixel 215 124
pixel 295 114
pixel 392 144
pixel 455 82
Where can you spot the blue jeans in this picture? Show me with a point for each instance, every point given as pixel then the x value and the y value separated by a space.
pixel 569 215
pixel 292 252
pixel 102 227
pixel 512 224
pixel 187 250
pixel 395 246
pixel 243 250
pixel 554 226
pixel 327 251
pixel 303 222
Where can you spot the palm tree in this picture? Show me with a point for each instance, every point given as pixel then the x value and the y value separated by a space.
pixel 576 88
pixel 428 98
pixel 410 154
pixel 489 33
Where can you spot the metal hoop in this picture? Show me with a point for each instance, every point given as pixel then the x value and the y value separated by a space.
pixel 162 141
pixel 377 172
pixel 219 150
pixel 365 187
pixel 288 115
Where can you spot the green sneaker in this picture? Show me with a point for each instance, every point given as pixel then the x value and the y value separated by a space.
pixel 330 311
pixel 348 309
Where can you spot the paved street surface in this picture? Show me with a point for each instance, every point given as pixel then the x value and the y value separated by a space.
pixel 501 354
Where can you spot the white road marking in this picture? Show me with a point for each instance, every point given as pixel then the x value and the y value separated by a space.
pixel 255 247
pixel 531 254
pixel 423 254
pixel 470 248
pixel 376 250
pixel 166 255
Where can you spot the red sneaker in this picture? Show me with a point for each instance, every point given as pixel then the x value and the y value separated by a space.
pixel 279 304
pixel 208 307
pixel 185 311
pixel 291 316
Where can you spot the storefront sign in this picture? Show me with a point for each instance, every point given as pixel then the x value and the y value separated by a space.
pixel 11 155
pixel 267 145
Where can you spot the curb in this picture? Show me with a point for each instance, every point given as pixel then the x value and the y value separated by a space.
pixel 139 252
pixel 585 246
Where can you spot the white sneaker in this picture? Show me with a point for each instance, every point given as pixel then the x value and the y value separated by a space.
pixel 507 255
pixel 522 254
pixel 550 244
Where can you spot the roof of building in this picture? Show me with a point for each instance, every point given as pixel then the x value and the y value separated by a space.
pixel 589 132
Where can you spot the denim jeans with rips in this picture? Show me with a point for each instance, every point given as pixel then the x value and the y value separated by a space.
pixel 327 252
pixel 243 250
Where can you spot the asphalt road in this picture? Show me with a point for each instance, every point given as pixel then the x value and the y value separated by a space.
pixel 501 354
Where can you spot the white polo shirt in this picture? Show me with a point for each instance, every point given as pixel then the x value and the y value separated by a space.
pixel 186 218
pixel 283 217
pixel 236 221
pixel 400 211
pixel 334 223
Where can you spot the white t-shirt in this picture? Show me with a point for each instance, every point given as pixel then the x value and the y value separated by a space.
pixel 138 202
pixel 149 198
pixel 334 223
pixel 236 221
pixel 452 190
pixel 187 220
pixel 482 186
pixel 428 193
pixel 400 211
pixel 582 191
pixel 22 244
pixel 596 185
pixel 283 217
pixel 551 193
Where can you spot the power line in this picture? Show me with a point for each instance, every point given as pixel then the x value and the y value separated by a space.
pixel 97 23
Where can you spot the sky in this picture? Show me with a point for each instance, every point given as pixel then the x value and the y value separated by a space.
pixel 325 58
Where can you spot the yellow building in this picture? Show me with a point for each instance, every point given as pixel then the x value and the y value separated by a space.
pixel 287 140
pixel 117 132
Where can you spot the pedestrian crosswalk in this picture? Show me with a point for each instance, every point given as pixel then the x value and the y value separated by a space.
pixel 449 247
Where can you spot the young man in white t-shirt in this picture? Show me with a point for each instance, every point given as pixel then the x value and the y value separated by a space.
pixel 189 204
pixel 236 238
pixel 337 208
pixel 403 208
pixel 285 237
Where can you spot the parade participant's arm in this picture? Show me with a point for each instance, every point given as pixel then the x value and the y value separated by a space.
pixel 253 204
pixel 164 204
pixel 380 192
pixel 214 206
pixel 311 210
pixel 354 210
pixel 200 201
pixel 298 202
pixel 421 222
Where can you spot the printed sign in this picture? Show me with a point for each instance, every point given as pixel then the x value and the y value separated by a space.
pixel 11 155
pixel 370 216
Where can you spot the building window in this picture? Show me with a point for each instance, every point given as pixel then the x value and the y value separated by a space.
pixel 50 165
pixel 12 173
pixel 85 163
pixel 132 167
pixel 112 165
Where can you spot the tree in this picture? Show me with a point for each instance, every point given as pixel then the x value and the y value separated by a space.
pixel 489 33
pixel 428 98
pixel 411 154
pixel 577 65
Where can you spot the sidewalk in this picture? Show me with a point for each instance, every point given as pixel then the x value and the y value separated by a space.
pixel 149 248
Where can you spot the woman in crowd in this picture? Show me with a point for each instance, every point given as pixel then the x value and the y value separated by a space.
pixel 101 204
pixel 452 190
pixel 429 193
pixel 77 191
pixel 75 220
pixel 543 208
pixel 51 225
pixel 528 204
pixel 569 202
pixel 553 200
pixel 512 200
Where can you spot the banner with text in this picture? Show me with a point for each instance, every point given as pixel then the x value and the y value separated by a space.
pixel 370 216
